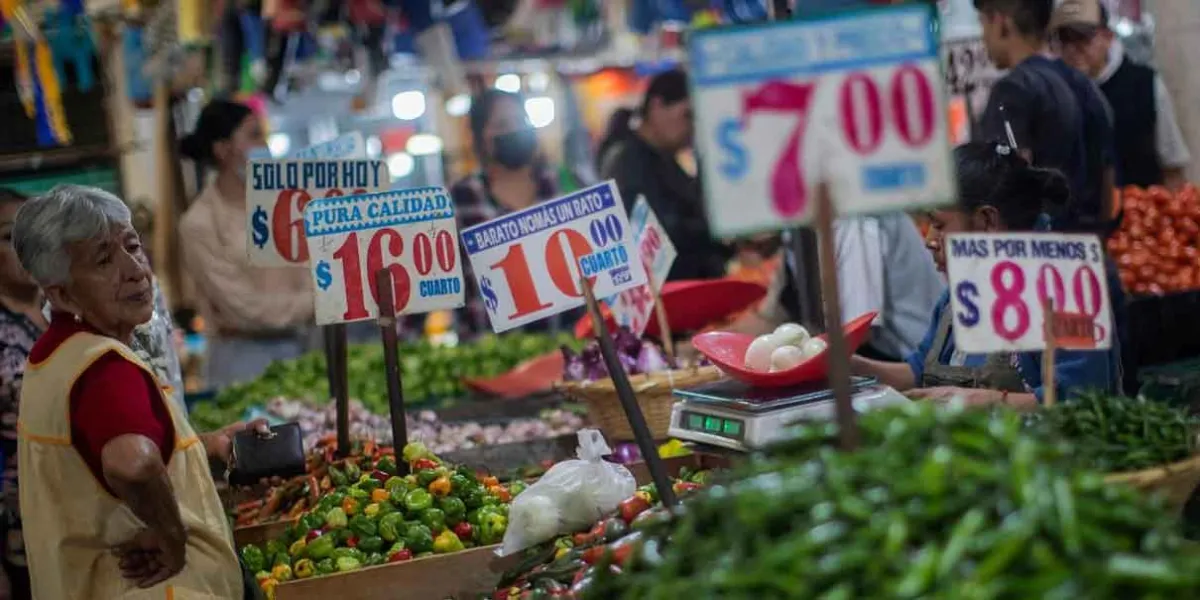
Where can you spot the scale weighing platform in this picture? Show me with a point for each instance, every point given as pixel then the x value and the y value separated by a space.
pixel 735 415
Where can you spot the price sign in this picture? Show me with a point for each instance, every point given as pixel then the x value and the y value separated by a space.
pixel 633 308
pixel 528 263
pixel 277 192
pixel 347 145
pixel 410 232
pixel 1000 283
pixel 853 100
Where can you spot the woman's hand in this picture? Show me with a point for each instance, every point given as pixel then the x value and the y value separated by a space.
pixel 219 444
pixel 969 396
pixel 149 559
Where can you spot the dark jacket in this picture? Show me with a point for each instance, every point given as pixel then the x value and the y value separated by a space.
pixel 676 199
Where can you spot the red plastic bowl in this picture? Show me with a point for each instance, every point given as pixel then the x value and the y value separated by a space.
pixel 535 375
pixel 728 352
pixel 691 305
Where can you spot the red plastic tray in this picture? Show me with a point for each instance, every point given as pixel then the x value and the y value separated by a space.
pixel 535 375
pixel 691 305
pixel 728 351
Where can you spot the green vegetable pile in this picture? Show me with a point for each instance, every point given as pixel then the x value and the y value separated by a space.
pixel 428 371
pixel 937 504
pixel 374 517
pixel 1116 434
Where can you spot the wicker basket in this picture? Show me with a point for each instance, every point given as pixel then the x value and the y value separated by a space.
pixel 1175 481
pixel 654 396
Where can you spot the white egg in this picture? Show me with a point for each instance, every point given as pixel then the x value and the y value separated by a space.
pixel 814 347
pixel 791 334
pixel 758 353
pixel 786 357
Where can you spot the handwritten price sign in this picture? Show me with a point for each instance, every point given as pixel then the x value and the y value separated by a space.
pixel 858 101
pixel 410 232
pixel 633 308
pixel 528 263
pixel 277 192
pixel 1000 283
pixel 347 145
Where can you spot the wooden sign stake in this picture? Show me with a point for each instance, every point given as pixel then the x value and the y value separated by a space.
pixel 1049 386
pixel 339 387
pixel 637 421
pixel 660 311
pixel 839 363
pixel 391 365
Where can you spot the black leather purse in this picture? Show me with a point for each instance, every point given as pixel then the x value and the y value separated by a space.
pixel 255 457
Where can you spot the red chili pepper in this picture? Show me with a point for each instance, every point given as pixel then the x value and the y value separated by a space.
pixel 463 531
pixel 593 555
pixel 631 508
pixel 400 555
pixel 685 486
pixel 379 476
pixel 312 535
pixel 423 463
pixel 352 542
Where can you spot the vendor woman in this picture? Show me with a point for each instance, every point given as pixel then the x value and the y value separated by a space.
pixel 998 191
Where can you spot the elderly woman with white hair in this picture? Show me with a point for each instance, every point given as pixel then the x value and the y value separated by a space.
pixel 116 492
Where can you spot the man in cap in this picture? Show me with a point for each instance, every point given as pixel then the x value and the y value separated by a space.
pixel 1150 149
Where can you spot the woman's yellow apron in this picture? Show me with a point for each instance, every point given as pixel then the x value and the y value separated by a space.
pixel 72 523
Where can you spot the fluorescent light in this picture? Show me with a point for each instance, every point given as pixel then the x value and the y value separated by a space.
pixel 279 143
pixel 423 144
pixel 458 105
pixel 508 82
pixel 401 165
pixel 537 82
pixel 353 76
pixel 540 110
pixel 374 147
pixel 408 105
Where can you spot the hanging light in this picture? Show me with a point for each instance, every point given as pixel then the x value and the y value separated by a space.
pixel 423 144
pixel 508 82
pixel 279 143
pixel 401 165
pixel 409 105
pixel 540 110
pixel 458 105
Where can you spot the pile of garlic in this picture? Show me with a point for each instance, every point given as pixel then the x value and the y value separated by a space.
pixel 787 347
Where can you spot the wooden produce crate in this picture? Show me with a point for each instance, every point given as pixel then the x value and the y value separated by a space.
pixel 462 575
pixel 260 534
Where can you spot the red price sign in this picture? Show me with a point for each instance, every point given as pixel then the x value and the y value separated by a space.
pixel 411 233
pixel 277 192
pixel 857 99
pixel 1001 284
pixel 528 264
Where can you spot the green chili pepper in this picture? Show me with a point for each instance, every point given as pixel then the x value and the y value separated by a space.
pixel 253 558
pixel 417 500
pixel 390 526
pixel 418 538
pixel 434 519
pixel 321 547
pixel 454 510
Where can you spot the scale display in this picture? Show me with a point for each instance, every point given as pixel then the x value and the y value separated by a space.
pixel 731 428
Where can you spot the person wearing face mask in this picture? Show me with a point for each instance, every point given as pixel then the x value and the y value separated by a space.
pixel 254 315
pixel 644 162
pixel 512 177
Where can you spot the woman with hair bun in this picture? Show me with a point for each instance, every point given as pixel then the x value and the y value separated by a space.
pixel 998 192
pixel 253 315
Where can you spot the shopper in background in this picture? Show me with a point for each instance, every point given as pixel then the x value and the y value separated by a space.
pixel 21 323
pixel 644 163
pixel 998 191
pixel 1054 114
pixel 1150 149
pixel 116 487
pixel 513 176
pixel 253 315
pixel 616 132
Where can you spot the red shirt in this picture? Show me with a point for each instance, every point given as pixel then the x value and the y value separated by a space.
pixel 113 397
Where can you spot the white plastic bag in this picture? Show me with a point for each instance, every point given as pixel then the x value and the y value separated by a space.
pixel 571 496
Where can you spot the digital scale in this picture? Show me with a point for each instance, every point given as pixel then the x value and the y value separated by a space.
pixel 735 415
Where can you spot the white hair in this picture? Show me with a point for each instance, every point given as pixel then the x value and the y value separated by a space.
pixel 64 215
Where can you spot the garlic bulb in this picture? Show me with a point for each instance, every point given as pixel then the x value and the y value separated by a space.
pixel 791 334
pixel 786 357
pixel 758 353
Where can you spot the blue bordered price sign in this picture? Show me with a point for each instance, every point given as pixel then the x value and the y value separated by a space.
pixel 411 232
pixel 852 100
pixel 277 191
pixel 1000 284
pixel 528 264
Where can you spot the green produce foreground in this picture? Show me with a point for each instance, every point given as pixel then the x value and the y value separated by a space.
pixel 428 372
pixel 936 504
pixel 376 517
pixel 1115 434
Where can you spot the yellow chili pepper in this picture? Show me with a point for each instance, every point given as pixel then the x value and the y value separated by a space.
pixel 644 496
pixel 371 510
pixel 268 587
pixel 489 481
pixel 350 507
pixel 379 495
pixel 281 573
pixel 440 487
